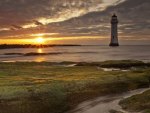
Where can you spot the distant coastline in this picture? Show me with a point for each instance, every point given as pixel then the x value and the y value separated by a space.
pixel 12 46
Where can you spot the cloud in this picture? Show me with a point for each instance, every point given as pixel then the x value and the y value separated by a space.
pixel 47 11
pixel 37 23
pixel 15 27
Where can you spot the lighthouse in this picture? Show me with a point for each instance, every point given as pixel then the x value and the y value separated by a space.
pixel 114 31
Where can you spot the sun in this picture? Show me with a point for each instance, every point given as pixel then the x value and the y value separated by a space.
pixel 39 40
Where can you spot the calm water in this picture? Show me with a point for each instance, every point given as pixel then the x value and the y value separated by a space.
pixel 77 54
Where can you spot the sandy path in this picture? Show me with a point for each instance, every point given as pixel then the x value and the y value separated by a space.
pixel 106 103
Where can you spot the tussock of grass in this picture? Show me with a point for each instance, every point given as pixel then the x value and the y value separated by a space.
pixel 139 103
pixel 116 64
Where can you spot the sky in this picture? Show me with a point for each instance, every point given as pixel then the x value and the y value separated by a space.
pixel 73 21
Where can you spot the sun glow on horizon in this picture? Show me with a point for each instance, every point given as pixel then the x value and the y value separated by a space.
pixel 39 40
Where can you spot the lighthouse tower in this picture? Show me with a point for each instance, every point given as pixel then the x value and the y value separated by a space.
pixel 114 31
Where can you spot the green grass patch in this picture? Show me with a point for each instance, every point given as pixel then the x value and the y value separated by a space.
pixel 139 103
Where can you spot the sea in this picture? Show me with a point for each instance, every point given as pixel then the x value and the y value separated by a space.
pixel 87 53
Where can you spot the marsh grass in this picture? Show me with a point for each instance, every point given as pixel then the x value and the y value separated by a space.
pixel 30 87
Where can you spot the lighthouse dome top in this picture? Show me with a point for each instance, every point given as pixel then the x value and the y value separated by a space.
pixel 114 19
pixel 114 15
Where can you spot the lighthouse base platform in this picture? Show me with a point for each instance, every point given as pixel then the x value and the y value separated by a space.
pixel 113 44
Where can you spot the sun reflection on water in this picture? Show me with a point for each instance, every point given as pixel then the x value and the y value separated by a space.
pixel 40 59
pixel 40 50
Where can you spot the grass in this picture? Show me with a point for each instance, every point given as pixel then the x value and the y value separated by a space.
pixel 30 87
pixel 139 103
